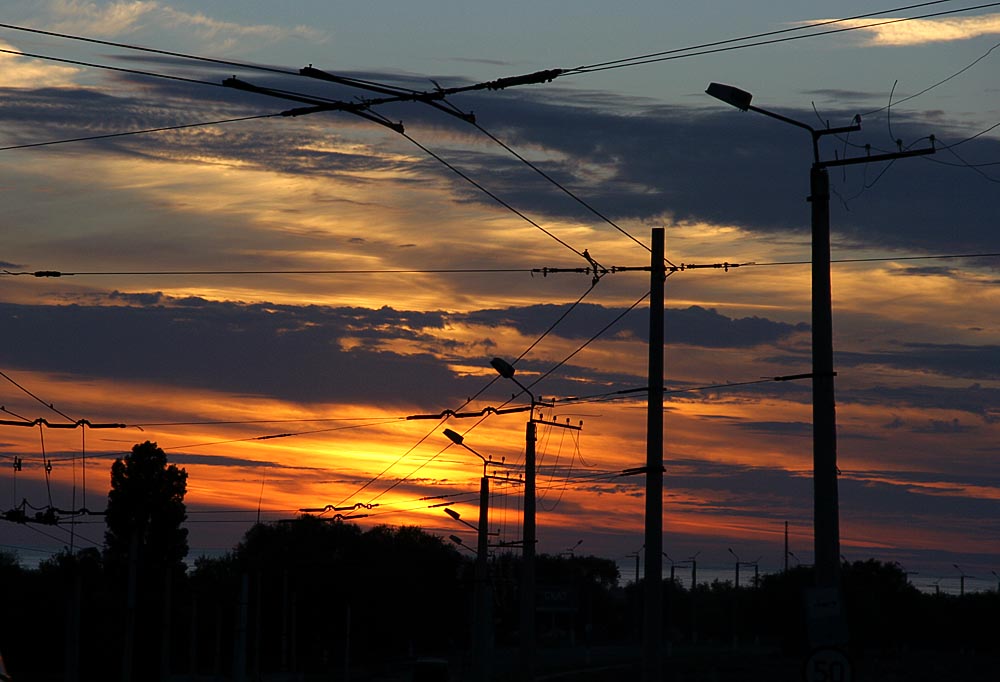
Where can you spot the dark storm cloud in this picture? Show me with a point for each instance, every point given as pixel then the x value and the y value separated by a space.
pixel 296 352
pixel 626 156
pixel 693 325
pixel 770 492
pixel 181 459
pixel 973 362
pixel 975 399
pixel 285 352
pixel 778 428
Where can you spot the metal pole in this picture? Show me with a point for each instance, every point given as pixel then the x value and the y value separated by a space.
pixel 653 616
pixel 481 650
pixel 825 496
pixel 528 555
pixel 786 546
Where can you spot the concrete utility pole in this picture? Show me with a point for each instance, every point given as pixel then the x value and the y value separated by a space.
pixel 786 547
pixel 527 614
pixel 826 514
pixel 482 640
pixel 653 617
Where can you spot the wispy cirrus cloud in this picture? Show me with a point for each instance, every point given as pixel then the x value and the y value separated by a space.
pixel 922 31
pixel 17 72
pixel 125 17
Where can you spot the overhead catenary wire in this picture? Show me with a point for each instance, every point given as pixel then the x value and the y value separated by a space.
pixel 35 397
pixel 765 34
pixel 672 55
pixel 48 274
pixel 174 273
pixel 560 186
pixel 482 390
pixel 533 383
pixel 144 131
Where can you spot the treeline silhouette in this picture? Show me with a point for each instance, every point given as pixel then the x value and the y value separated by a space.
pixel 319 599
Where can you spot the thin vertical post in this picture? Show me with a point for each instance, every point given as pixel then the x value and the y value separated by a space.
pixel 825 496
pixel 482 610
pixel 528 554
pixel 653 616
pixel 786 546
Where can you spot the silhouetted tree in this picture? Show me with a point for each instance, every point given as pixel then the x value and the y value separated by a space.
pixel 145 548
pixel 146 505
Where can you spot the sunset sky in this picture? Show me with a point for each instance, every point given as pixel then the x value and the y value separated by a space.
pixel 377 283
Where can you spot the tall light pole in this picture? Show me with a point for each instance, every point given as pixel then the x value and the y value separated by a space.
pixel 652 632
pixel 738 562
pixel 527 612
pixel 961 580
pixel 481 646
pixel 825 495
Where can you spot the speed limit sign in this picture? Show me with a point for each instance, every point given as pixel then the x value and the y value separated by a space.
pixel 828 665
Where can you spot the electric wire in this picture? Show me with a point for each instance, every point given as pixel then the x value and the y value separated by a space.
pixel 174 273
pixel 931 87
pixel 559 185
pixel 25 390
pixel 182 126
pixel 482 390
pixel 119 69
pixel 580 254
pixel 168 273
pixel 140 48
pixel 493 196
pixel 591 339
pixel 764 34
pixel 286 435
pixel 671 55
pixel 881 259
pixel 533 383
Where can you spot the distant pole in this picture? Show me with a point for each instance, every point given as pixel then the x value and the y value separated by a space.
pixel 165 623
pixel 193 643
pixel 240 646
pixel 653 630
pixel 961 580
pixel 482 616
pixel 730 550
pixel 786 546
pixel 347 643
pixel 130 599
pixel 528 554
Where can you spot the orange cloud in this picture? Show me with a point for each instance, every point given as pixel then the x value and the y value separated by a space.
pixel 922 31
pixel 21 72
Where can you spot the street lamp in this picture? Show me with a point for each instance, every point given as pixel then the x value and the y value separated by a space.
pixel 482 597
pixel 825 500
pixel 571 551
pixel 825 496
pixel 961 580
pixel 527 612
pixel 730 550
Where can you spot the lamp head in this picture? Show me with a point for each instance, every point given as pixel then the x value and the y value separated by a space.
pixel 454 538
pixel 452 513
pixel 503 368
pixel 730 95
pixel 455 438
